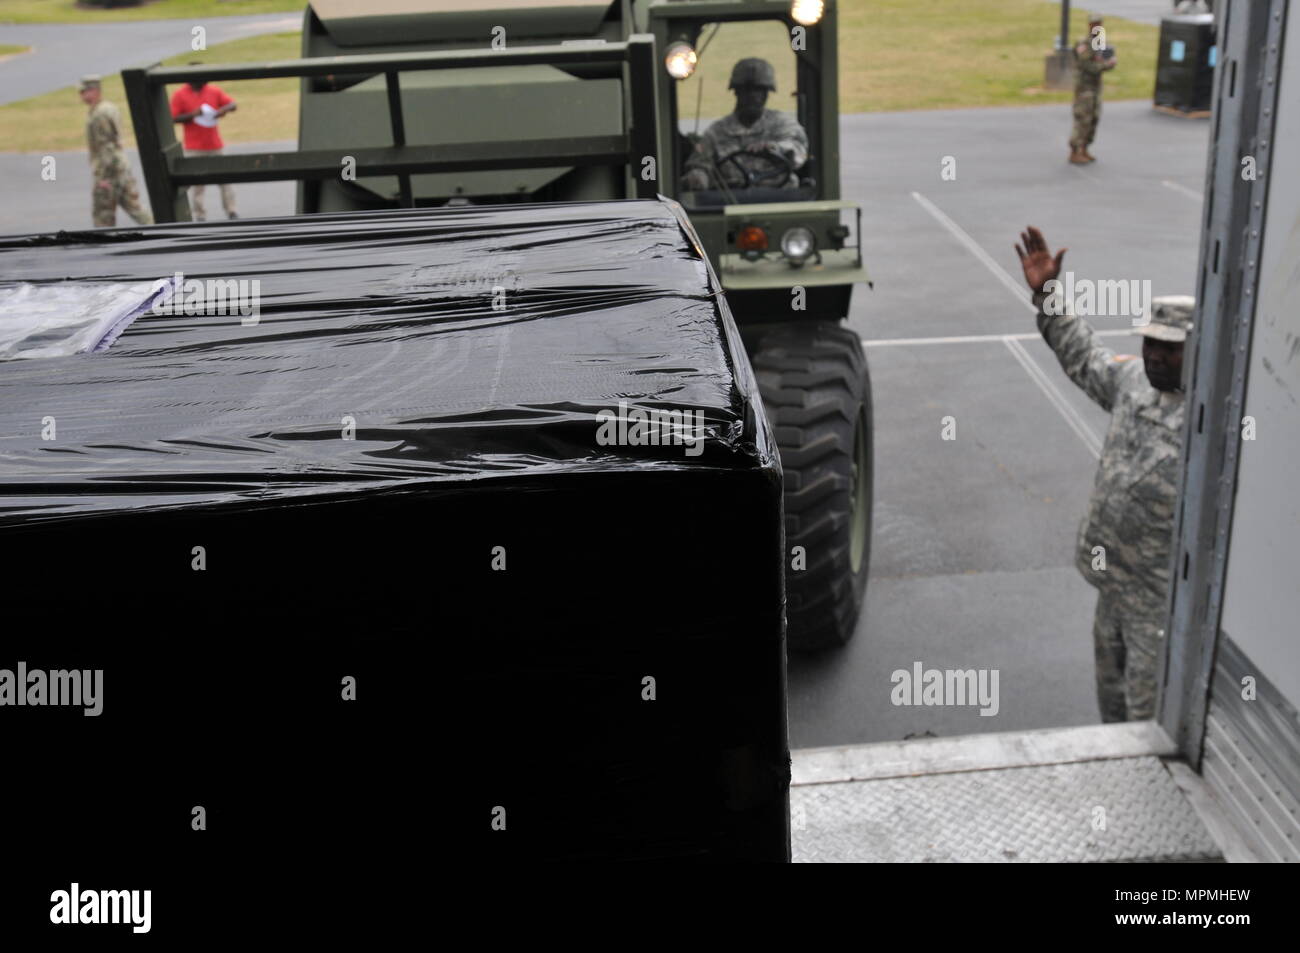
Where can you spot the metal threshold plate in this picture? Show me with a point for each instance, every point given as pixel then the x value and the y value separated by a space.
pixel 1115 810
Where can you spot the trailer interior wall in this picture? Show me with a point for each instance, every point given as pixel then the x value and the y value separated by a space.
pixel 1232 680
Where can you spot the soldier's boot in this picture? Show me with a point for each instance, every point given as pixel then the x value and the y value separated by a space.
pixel 1077 156
pixel 1087 156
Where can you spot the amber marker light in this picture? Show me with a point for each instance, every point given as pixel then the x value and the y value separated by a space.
pixel 751 238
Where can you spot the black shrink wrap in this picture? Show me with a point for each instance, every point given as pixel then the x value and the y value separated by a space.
pixel 473 351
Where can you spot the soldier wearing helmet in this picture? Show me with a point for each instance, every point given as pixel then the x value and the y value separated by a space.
pixel 754 146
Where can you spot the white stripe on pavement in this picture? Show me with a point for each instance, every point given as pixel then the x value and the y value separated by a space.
pixel 975 338
pixel 1012 341
pixel 1072 417
pixel 1182 189
pixel 1016 288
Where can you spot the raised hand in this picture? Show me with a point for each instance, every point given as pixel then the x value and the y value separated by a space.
pixel 1036 259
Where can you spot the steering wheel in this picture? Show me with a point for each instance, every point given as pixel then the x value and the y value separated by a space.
pixel 783 168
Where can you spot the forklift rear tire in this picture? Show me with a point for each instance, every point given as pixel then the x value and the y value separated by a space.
pixel 817 395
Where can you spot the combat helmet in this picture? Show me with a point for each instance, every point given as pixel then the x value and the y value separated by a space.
pixel 753 71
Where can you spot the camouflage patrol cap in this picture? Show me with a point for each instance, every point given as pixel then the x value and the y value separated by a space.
pixel 90 82
pixel 753 71
pixel 1171 318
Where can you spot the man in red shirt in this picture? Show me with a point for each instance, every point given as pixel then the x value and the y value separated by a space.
pixel 198 105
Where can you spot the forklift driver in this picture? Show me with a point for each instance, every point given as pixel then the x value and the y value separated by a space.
pixel 753 147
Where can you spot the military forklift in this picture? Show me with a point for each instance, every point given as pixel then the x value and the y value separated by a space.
pixel 440 102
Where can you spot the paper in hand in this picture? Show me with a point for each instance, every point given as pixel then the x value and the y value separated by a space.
pixel 207 116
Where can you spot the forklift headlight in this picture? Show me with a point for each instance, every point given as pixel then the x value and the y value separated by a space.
pixel 797 244
pixel 807 12
pixel 680 60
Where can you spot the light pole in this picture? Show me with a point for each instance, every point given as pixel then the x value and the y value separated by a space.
pixel 1059 72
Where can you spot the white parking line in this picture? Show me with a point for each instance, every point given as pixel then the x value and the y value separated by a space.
pixel 1016 288
pixel 1072 416
pixel 974 338
pixel 1182 189
pixel 1012 341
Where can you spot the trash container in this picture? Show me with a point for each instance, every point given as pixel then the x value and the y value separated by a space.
pixel 1185 68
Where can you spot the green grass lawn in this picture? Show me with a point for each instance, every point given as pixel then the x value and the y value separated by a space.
pixel 67 11
pixel 926 54
pixel 941 54
pixel 894 55
pixel 9 49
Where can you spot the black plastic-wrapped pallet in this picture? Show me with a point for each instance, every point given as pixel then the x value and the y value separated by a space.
pixel 400 472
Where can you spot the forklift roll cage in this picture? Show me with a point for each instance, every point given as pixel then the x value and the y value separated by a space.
pixel 168 171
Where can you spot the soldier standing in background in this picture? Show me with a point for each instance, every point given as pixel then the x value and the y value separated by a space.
pixel 114 184
pixel 1091 58
pixel 758 138
pixel 1125 543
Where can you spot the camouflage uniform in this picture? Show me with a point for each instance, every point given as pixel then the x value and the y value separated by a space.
pixel 777 131
pixel 1130 515
pixel 114 184
pixel 1089 64
pixel 780 131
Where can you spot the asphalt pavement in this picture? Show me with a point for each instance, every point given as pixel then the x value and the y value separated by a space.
pixel 972 556
pixel 31 200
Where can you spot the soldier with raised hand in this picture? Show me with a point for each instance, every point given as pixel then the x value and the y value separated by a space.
pixel 1124 544
pixel 1089 63
pixel 114 184
pixel 754 146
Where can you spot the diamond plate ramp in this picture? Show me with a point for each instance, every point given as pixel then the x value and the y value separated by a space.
pixel 1125 809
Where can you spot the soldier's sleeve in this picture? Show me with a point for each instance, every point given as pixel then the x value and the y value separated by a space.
pixel 705 152
pixel 791 140
pixel 1093 367
pixel 1086 59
